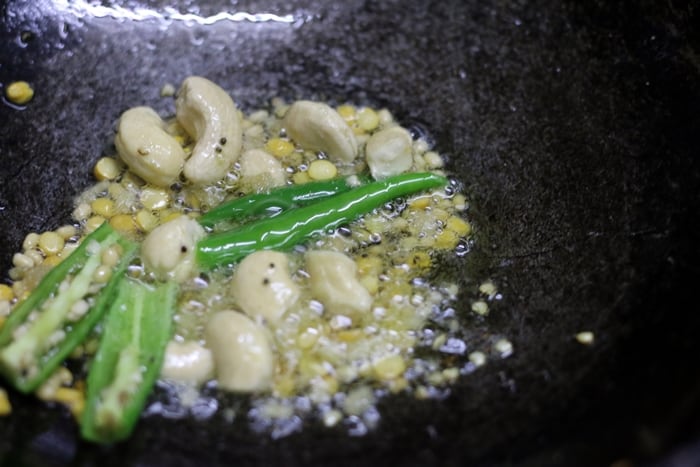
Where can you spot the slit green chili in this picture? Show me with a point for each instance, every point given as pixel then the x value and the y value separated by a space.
pixel 128 360
pixel 42 331
pixel 293 227
pixel 278 199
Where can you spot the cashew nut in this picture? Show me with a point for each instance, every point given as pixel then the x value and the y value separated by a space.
pixel 333 280
pixel 242 352
pixel 187 362
pixel 263 287
pixel 169 250
pixel 209 116
pixel 148 150
pixel 389 152
pixel 264 166
pixel 317 127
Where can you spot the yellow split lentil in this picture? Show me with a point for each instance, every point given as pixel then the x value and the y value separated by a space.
pixel 322 170
pixel 167 216
pixel 390 367
pixel 35 255
pixel 5 406
pixel 585 337
pixel 347 112
pixel 74 399
pixel 367 119
pixel 103 207
pixel 67 231
pixel 480 307
pixel 279 147
pixel 51 243
pixel 154 198
pixel 30 241
pixel 19 92
pixel 446 240
pixel 107 168
pixel 52 260
pixel 145 220
pixel 93 223
pixel 6 292
pixel 300 178
pixel 458 226
pixel 123 223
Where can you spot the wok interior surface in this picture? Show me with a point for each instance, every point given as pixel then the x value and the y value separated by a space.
pixel 574 130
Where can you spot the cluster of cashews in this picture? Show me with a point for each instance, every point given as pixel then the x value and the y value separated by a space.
pixel 316 126
pixel 265 291
pixel 208 115
pixel 238 346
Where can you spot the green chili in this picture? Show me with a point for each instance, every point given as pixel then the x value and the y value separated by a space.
pixel 59 314
pixel 293 227
pixel 278 199
pixel 128 360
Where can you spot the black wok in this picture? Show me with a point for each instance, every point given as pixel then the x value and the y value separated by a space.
pixel 575 131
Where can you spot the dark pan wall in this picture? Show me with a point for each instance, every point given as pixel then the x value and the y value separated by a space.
pixel 574 129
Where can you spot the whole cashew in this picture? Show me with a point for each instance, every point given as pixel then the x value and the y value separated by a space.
pixel 333 280
pixel 389 152
pixel 242 352
pixel 209 116
pixel 317 127
pixel 148 150
pixel 169 250
pixel 263 287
